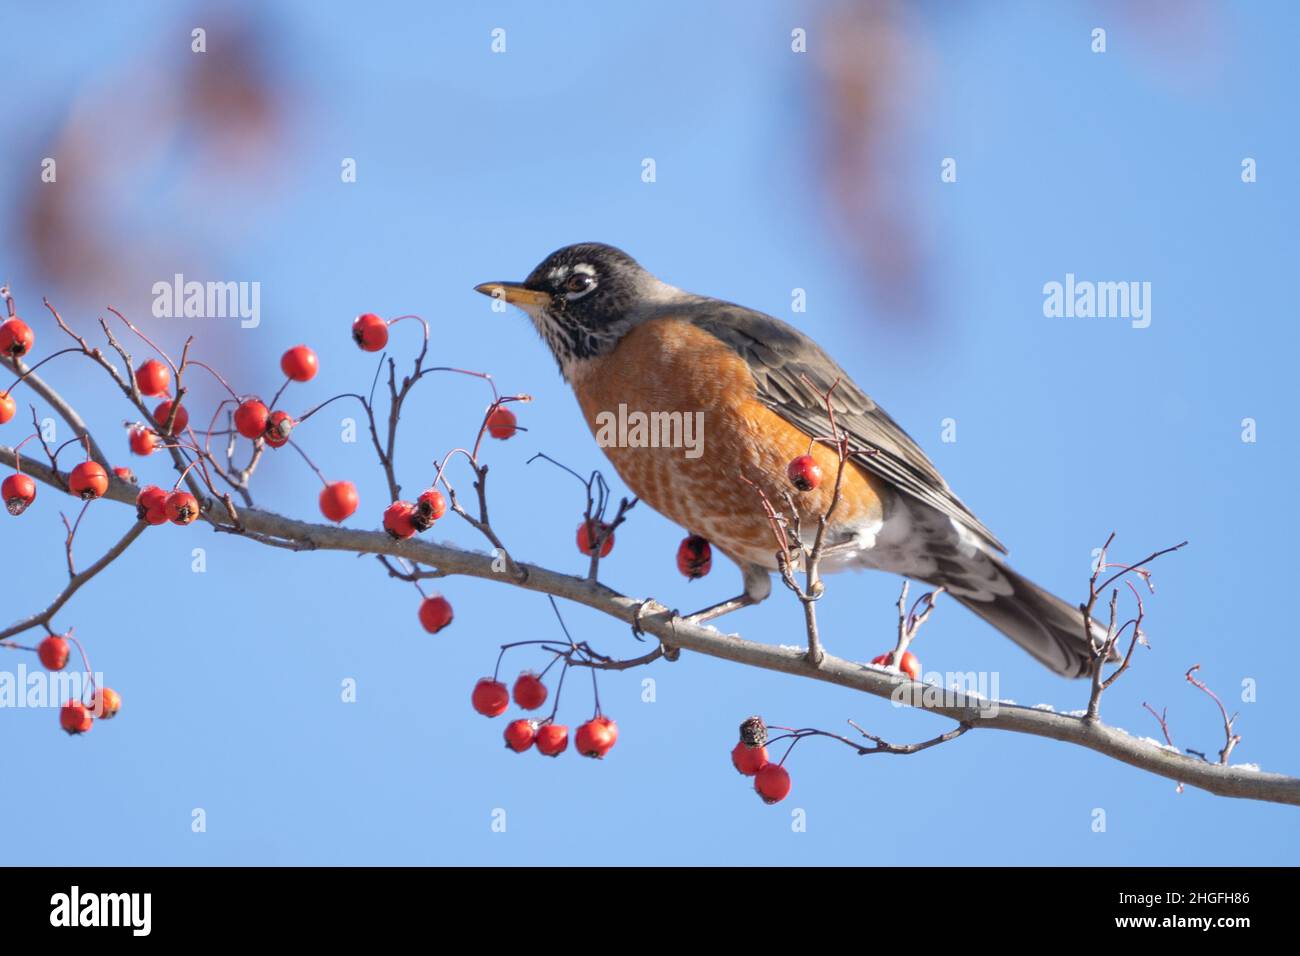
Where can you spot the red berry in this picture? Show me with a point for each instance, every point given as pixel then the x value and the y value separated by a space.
pixel 490 697
pixel 75 718
pixel 125 474
pixel 299 363
pixel 18 492
pixel 8 408
pixel 181 507
pixel 520 734
pixel 53 652
pixel 611 727
pixel 153 378
pixel 589 531
pixel 251 418
pixel 552 739
pixel 151 505
pixel 694 557
pixel 370 332
pixel 502 423
pixel 106 703
pixel 530 692
pixel 748 760
pixel 338 500
pixel 88 481
pixel 804 473
pixel 16 338
pixel 772 783
pixel 161 413
pixel 909 665
pixel 432 506
pixel 278 428
pixel 399 519
pixel 142 440
pixel 435 613
pixel 596 737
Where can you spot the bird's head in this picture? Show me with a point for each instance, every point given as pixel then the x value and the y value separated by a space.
pixel 583 299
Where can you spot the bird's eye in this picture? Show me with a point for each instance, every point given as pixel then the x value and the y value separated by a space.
pixel 579 282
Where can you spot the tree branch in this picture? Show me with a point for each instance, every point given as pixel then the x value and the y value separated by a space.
pixel 74 584
pixel 656 619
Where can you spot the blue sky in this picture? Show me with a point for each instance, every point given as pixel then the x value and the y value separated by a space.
pixel 473 166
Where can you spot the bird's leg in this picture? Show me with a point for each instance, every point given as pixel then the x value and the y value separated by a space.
pixel 758 585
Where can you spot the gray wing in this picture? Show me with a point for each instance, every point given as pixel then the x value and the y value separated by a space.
pixel 781 357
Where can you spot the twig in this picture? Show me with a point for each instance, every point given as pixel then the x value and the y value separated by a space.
pixel 1231 739
pixel 1106 650
pixel 45 617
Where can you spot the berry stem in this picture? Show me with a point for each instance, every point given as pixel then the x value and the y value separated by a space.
pixel 207 435
pixel 310 412
pixel 280 391
pixel 32 368
pixel 311 463
pixel 559 688
pixel 85 662
pixel 72 533
pixel 150 342
pixel 514 644
pixel 177 485
pixel 403 318
pixel 18 458
pixel 215 374
pixel 71 441
pixel 486 376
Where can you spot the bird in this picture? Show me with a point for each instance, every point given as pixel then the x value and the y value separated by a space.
pixel 628 342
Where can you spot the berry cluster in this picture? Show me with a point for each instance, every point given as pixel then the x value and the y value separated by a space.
pixel 594 738
pixel 402 519
pixel 17 491
pixel 251 419
pixel 749 757
pixel 166 426
pixel 76 716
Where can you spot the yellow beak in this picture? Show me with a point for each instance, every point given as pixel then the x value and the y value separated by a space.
pixel 514 293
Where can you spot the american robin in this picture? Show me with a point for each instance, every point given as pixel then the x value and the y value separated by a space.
pixel 629 343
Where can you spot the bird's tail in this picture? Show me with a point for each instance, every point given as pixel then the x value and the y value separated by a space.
pixel 1041 623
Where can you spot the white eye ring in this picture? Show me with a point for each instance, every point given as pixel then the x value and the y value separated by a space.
pixel 578 285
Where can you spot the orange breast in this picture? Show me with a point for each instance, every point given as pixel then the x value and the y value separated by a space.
pixel 677 413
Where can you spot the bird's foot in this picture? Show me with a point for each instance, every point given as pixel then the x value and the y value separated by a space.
pixel 670 653
pixel 758 585
pixel 719 609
